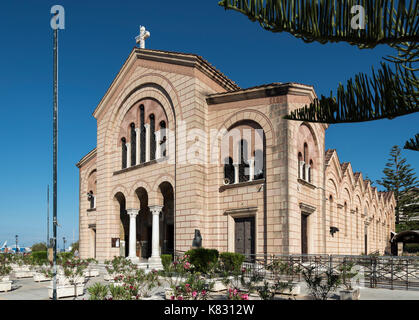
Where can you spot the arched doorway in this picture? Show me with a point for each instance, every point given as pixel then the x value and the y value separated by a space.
pixel 144 225
pixel 167 233
pixel 120 204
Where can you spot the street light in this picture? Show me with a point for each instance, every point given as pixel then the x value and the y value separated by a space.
pixel 64 243
pixel 16 244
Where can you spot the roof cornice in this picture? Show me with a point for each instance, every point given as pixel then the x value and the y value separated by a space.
pixel 188 60
pixel 86 158
pixel 263 91
pixel 174 58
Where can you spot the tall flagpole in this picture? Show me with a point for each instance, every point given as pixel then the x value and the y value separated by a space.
pixel 47 216
pixel 55 133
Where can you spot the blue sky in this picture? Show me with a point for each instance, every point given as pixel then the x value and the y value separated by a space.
pixel 99 36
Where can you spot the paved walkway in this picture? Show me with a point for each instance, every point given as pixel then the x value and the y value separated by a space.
pixel 27 289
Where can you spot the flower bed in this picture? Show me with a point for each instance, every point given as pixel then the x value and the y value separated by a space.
pixel 64 291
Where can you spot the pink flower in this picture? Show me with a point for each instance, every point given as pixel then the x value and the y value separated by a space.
pixel 194 294
pixel 203 292
pixel 172 298
pixel 187 285
pixel 235 291
pixel 245 296
pixel 180 298
pixel 243 270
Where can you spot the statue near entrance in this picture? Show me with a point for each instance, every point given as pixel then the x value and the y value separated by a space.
pixel 197 240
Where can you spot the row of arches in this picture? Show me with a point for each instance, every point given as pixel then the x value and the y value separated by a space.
pixel 363 216
pixel 143 134
pixel 243 152
pixel 140 231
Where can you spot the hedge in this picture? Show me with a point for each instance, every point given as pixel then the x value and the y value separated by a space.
pixel 202 258
pixel 39 256
pixel 232 261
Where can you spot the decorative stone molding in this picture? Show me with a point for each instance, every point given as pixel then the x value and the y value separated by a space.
pixel 307 208
pixel 241 210
pixel 241 184
pixel 306 183
pixel 340 206
pixel 144 164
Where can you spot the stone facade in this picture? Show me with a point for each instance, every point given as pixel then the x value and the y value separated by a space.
pixel 167 163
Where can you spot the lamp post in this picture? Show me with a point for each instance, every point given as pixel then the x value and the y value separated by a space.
pixel 64 244
pixel 16 243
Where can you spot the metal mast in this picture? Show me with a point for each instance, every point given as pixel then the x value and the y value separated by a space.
pixel 55 145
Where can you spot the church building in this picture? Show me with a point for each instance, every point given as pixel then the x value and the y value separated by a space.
pixel 183 151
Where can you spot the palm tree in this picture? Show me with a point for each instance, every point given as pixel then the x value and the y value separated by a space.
pixel 390 91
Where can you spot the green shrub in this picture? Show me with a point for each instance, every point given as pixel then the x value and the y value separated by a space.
pixel 203 259
pixel 39 247
pixel 232 261
pixel 64 256
pixel 39 257
pixel 166 260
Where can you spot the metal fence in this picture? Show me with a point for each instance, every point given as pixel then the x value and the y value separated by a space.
pixel 373 271
pixel 391 272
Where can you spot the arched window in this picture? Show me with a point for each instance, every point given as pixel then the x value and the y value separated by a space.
pixel 243 165
pixel 133 145
pixel 229 170
pixel 91 198
pixel 300 165
pixel 163 138
pixel 152 137
pixel 331 210
pixel 259 165
pixel 142 135
pixel 124 153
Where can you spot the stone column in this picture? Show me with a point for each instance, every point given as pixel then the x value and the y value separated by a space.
pixel 128 144
pixel 158 151
pixel 137 145
pixel 251 163
pixel 132 255
pixel 236 173
pixel 155 261
pixel 147 142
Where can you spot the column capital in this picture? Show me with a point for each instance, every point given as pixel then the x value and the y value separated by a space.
pixel 250 161
pixel 155 209
pixel 137 129
pixel 133 212
pixel 236 164
pixel 146 125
